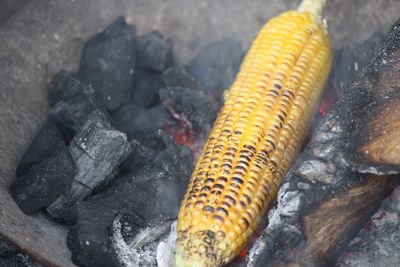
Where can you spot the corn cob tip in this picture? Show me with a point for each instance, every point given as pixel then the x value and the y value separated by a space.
pixel 314 7
pixel 182 261
pixel 199 249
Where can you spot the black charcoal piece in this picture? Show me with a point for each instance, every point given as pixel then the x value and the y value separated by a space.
pixel 145 147
pixel 193 108
pixel 146 88
pixel 152 119
pixel 155 52
pixel 71 114
pixel 65 86
pixel 89 239
pixel 124 116
pixel 131 119
pixel 164 177
pixel 108 64
pixel 217 64
pixel 44 182
pixel 146 197
pixel 177 163
pixel 177 76
pixel 97 150
pixel 45 144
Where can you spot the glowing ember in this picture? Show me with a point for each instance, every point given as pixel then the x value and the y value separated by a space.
pixel 326 105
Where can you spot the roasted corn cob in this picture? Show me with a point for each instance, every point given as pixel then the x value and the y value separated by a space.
pixel 255 137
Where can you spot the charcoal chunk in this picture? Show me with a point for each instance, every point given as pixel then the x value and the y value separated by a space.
pixel 145 147
pixel 155 52
pixel 89 239
pixel 196 110
pixel 44 182
pixel 217 64
pixel 177 163
pixel 125 116
pixel 151 119
pixel 71 114
pixel 177 76
pixel 108 64
pixel 164 178
pixel 45 144
pixel 147 85
pixel 131 119
pixel 146 197
pixel 65 86
pixel 97 150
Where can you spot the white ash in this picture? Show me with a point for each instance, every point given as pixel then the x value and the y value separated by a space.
pixel 258 248
pixel 316 171
pixel 166 248
pixel 142 250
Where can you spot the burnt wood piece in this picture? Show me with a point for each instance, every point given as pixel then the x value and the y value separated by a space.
pixel 334 187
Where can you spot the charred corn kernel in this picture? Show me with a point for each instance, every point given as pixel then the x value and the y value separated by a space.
pixel 254 138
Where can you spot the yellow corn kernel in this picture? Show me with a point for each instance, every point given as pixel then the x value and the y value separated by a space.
pixel 254 138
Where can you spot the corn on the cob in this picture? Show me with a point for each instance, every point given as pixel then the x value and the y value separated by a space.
pixel 254 138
